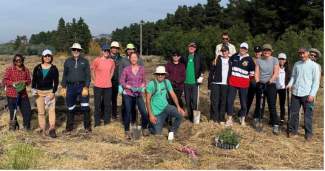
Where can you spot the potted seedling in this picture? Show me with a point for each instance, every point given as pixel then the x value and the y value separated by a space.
pixel 227 139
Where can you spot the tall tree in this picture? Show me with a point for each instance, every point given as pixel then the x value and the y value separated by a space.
pixel 61 42
pixel 212 12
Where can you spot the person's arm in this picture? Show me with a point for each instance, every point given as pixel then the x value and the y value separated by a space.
pixel 123 79
pixel 182 74
pixel 92 70
pixel 252 70
pixel 64 76
pixel 7 79
pixel 174 97
pixel 210 76
pixel 112 70
pixel 293 77
pixel 88 77
pixel 152 117
pixel 143 78
pixel 28 79
pixel 257 73
pixel 275 75
pixel 315 82
pixel 56 80
pixel 34 79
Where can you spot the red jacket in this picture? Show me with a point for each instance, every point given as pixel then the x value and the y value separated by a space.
pixel 176 74
pixel 12 75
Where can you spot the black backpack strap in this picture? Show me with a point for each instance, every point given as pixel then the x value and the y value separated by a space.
pixel 155 88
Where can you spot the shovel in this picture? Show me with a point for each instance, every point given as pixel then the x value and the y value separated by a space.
pixel 197 113
pixel 288 105
pixel 13 124
pixel 259 126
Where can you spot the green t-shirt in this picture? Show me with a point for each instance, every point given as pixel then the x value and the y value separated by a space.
pixel 190 72
pixel 45 71
pixel 159 100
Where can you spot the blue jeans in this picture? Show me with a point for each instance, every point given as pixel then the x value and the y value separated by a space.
pixel 130 102
pixel 169 111
pixel 73 92
pixel 232 91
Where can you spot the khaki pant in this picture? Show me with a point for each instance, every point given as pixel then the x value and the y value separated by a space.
pixel 40 102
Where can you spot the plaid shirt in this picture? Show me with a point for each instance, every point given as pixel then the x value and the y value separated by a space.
pixel 135 81
pixel 12 75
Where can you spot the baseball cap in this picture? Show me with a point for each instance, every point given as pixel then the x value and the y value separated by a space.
pixel 244 45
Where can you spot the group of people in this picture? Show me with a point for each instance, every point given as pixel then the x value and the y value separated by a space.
pixel 161 98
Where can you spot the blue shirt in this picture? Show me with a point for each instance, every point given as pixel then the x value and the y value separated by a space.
pixel 305 78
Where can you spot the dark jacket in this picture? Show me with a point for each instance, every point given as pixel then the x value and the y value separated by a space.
pixel 215 74
pixel 117 59
pixel 76 71
pixel 199 64
pixel 51 80
pixel 176 74
pixel 287 69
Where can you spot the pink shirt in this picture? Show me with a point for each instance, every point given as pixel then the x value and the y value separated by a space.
pixel 103 70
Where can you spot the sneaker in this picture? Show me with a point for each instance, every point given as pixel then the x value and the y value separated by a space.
pixel 242 121
pixel 292 135
pixel 128 135
pixel 308 138
pixel 281 122
pixel 229 121
pixel 276 129
pixel 88 130
pixel 52 133
pixel 222 123
pixel 145 132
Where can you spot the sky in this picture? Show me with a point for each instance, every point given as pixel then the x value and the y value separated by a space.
pixel 26 17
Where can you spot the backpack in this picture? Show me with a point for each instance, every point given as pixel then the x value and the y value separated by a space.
pixel 155 89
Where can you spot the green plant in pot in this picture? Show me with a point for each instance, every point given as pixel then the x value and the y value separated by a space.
pixel 227 139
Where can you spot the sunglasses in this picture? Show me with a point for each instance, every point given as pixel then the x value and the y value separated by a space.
pixel 18 60
pixel 161 74
pixel 282 59
pixel 106 50
pixel 48 56
pixel 225 38
pixel 312 55
pixel 76 50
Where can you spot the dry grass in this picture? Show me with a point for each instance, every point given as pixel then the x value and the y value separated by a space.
pixel 106 147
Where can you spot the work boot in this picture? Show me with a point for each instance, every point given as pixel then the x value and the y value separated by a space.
pixel 52 133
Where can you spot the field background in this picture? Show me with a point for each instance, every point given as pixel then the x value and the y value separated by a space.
pixel 106 147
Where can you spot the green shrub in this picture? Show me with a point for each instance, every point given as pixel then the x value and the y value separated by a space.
pixel 21 156
pixel 228 136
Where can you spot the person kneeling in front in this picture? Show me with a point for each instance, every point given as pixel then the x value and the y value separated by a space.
pixel 158 90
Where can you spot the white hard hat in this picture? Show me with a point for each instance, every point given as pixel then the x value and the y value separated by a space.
pixel 115 44
pixel 76 46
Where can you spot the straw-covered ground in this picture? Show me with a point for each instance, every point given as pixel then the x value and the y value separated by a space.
pixel 106 147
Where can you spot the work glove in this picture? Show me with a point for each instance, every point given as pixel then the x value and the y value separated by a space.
pixel 85 91
pixel 200 80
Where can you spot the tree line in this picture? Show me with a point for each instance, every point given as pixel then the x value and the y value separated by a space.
pixel 58 40
pixel 287 25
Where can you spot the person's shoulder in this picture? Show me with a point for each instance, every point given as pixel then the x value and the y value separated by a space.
pixel 231 45
pixel 11 67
